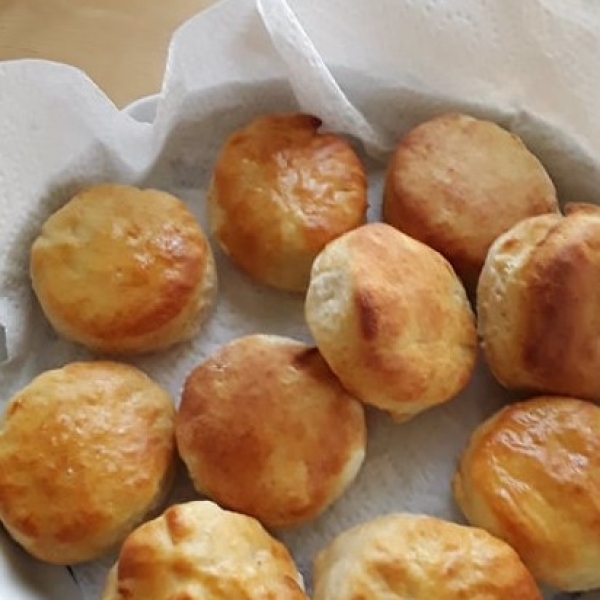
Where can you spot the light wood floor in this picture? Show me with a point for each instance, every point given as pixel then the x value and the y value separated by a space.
pixel 121 44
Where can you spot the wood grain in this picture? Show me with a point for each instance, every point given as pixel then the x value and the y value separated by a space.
pixel 120 44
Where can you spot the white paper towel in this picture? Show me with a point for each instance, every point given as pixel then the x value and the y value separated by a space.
pixel 369 70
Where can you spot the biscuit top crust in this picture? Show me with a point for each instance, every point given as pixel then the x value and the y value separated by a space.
pixel 456 183
pixel 281 190
pixel 118 262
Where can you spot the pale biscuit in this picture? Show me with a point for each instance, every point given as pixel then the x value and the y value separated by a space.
pixel 538 304
pixel 392 320
pixel 197 551
pixel 420 558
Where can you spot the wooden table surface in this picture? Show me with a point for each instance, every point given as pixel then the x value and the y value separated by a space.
pixel 121 44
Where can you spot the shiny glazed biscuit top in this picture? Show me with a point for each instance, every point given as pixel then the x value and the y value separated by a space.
pixel 85 451
pixel 280 191
pixel 531 476
pixel 116 264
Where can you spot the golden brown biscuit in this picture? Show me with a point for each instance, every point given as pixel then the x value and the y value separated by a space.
pixel 123 270
pixel 531 476
pixel 265 428
pixel 86 451
pixel 401 557
pixel 538 304
pixel 392 320
pixel 456 183
pixel 280 191
pixel 197 551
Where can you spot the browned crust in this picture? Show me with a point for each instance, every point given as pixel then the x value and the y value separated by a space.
pixel 456 183
pixel 582 207
pixel 265 428
pixel 117 263
pixel 420 557
pixel 564 308
pixel 402 335
pixel 196 550
pixel 280 192
pixel 85 452
pixel 531 476
pixel 549 342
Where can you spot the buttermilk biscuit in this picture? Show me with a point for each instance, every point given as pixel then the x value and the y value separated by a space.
pixel 197 551
pixel 531 476
pixel 280 191
pixel 401 556
pixel 392 319
pixel 265 428
pixel 538 304
pixel 456 183
pixel 123 270
pixel 85 452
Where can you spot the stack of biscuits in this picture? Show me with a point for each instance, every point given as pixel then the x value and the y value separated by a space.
pixel 471 251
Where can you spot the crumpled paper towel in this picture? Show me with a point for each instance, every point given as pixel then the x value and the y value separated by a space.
pixel 370 70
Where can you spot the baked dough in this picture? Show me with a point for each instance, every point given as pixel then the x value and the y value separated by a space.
pixel 392 319
pixel 456 183
pixel 86 451
pixel 415 557
pixel 197 551
pixel 265 428
pixel 538 304
pixel 122 270
pixel 281 190
pixel 531 476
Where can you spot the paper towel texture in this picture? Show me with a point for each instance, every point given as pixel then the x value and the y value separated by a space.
pixel 370 70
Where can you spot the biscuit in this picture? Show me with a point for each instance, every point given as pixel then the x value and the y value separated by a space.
pixel 538 305
pixel 86 451
pixel 420 558
pixel 281 191
pixel 198 551
pixel 531 475
pixel 456 183
pixel 392 320
pixel 122 270
pixel 265 428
